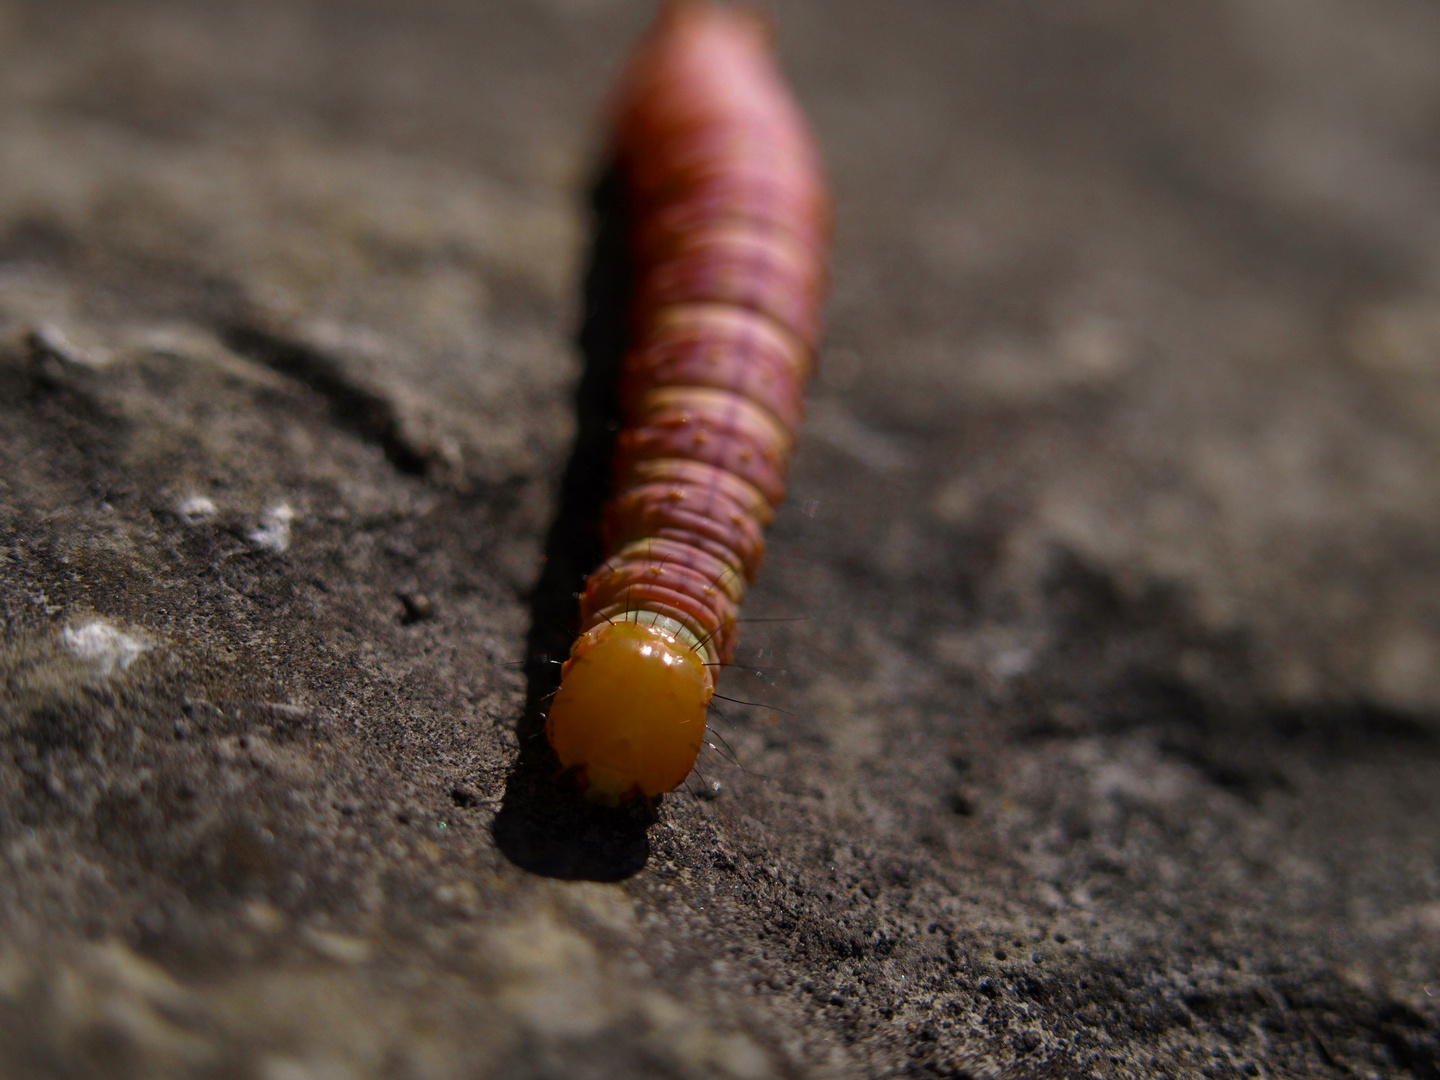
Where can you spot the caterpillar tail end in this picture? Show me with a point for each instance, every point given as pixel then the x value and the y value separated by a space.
pixel 629 718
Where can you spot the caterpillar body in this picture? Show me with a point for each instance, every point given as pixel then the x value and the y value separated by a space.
pixel 729 243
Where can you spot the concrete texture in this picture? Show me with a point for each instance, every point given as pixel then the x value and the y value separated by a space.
pixel 1099 652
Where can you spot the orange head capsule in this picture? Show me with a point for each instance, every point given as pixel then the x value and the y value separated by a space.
pixel 629 717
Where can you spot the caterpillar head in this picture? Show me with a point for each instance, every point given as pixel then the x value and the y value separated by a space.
pixel 629 717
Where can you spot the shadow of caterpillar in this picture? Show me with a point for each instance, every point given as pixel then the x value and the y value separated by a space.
pixel 729 234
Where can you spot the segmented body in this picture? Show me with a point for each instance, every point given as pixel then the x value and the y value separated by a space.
pixel 729 243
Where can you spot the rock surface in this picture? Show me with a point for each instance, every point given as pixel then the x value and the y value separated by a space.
pixel 1100 731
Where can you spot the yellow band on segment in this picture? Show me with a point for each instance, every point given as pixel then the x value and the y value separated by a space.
pixel 697 315
pixel 674 627
pixel 658 550
pixel 726 405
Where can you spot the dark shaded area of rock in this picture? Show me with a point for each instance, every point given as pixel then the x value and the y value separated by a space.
pixel 1104 615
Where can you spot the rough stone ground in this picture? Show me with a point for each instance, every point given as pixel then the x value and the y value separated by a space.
pixel 1112 730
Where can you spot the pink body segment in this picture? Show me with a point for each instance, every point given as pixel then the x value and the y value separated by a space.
pixel 730 239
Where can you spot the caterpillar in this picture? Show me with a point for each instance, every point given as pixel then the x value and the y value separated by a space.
pixel 729 241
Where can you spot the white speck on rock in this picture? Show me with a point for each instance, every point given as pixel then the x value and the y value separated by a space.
pixel 50 340
pixel 341 948
pixel 274 531
pixel 1012 662
pixel 104 645
pixel 196 510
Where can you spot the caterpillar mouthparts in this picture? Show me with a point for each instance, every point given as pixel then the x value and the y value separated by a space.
pixel 730 233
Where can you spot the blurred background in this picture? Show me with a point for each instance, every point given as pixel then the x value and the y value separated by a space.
pixel 1114 539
